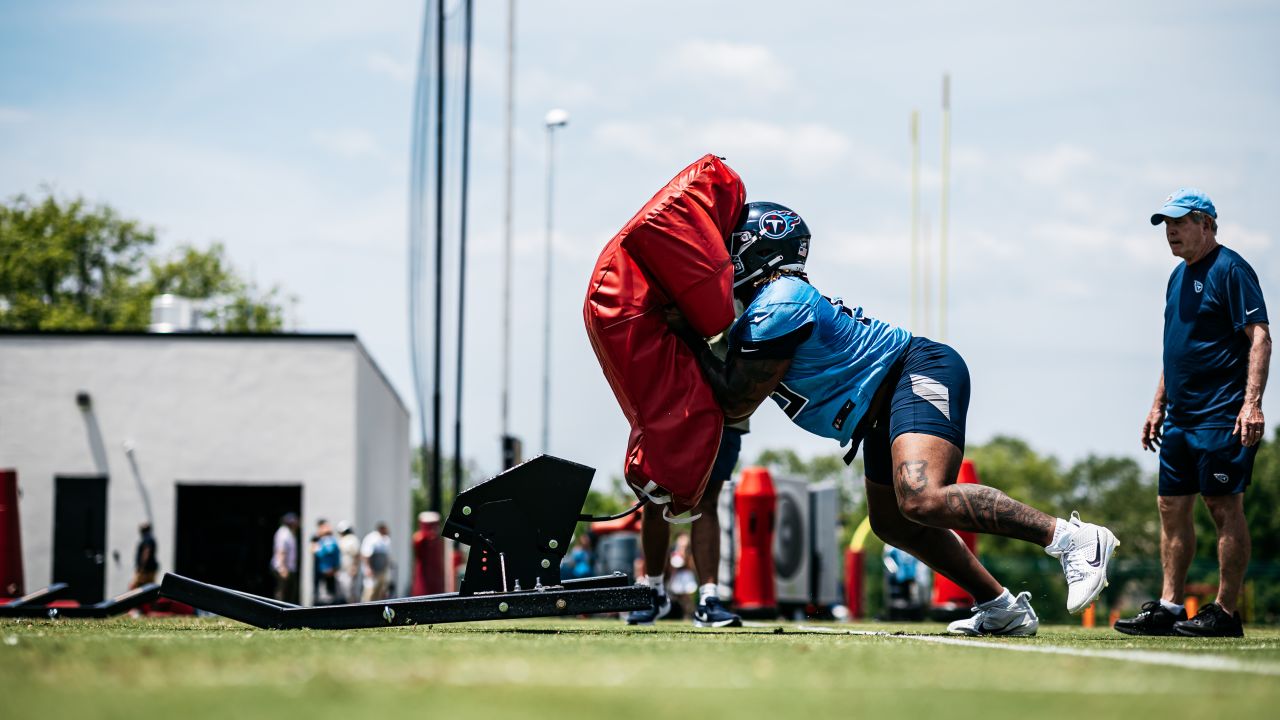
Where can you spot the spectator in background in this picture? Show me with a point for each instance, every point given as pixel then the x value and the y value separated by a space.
pixel 349 566
pixel 145 564
pixel 579 561
pixel 375 552
pixel 328 555
pixel 284 558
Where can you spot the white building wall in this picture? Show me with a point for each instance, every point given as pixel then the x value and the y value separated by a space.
pixel 382 467
pixel 260 410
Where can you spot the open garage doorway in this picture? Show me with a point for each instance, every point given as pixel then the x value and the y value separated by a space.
pixel 223 533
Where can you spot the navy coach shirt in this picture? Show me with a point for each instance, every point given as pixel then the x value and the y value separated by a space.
pixel 1206 353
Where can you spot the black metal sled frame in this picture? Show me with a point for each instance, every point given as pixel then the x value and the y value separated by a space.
pixel 36 605
pixel 566 600
pixel 519 526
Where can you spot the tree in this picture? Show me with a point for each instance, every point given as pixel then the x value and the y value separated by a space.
pixel 69 266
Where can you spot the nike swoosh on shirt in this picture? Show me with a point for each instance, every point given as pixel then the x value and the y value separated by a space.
pixel 747 350
pixel 1250 312
pixel 758 318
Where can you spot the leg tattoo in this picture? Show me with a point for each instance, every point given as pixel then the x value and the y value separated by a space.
pixel 914 477
pixel 986 509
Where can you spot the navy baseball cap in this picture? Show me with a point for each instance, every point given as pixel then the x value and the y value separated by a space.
pixel 1183 201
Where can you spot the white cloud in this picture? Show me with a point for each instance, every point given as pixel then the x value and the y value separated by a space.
pixel 1246 240
pixel 348 143
pixel 13 115
pixel 310 22
pixel 800 148
pixel 1057 165
pixel 381 63
pixel 755 64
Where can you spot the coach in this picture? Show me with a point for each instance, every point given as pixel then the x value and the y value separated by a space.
pixel 1207 417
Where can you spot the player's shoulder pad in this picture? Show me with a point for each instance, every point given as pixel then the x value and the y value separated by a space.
pixel 782 307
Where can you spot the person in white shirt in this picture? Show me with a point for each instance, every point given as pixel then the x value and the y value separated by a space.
pixel 284 558
pixel 375 554
pixel 349 569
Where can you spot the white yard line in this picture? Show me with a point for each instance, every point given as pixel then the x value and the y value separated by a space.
pixel 1219 663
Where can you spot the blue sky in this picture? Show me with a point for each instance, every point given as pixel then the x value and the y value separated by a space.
pixel 282 130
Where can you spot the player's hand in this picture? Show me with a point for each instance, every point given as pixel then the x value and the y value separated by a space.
pixel 675 319
pixel 1250 424
pixel 1152 428
pixel 681 329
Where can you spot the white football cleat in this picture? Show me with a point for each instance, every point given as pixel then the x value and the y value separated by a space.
pixel 1085 553
pixel 1015 619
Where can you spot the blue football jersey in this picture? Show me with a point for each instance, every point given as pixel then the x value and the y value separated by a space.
pixel 1206 353
pixel 839 355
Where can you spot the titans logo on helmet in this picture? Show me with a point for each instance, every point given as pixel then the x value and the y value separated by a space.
pixel 776 224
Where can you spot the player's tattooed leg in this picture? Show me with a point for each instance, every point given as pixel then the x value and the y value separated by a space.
pixel 924 482
pixel 986 509
pixel 913 476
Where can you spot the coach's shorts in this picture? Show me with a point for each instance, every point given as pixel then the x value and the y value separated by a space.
pixel 930 396
pixel 1208 461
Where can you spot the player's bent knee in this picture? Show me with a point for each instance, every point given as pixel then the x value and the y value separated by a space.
pixel 927 508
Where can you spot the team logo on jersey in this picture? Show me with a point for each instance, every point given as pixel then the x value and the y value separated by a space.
pixel 777 223
pixel 1197 285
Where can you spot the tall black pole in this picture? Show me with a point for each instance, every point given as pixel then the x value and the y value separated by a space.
pixel 419 152
pixel 436 501
pixel 462 251
pixel 507 441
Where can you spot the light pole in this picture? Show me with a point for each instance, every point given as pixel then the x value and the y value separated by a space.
pixel 555 119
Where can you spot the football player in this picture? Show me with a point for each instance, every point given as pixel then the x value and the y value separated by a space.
pixel 839 373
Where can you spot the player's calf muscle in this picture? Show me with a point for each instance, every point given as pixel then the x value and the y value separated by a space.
pixel 986 509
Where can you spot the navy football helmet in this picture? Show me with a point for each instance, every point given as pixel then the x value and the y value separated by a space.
pixel 768 238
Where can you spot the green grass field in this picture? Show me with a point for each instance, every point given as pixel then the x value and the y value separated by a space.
pixel 182 669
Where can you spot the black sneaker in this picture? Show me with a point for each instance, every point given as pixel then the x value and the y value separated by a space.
pixel 711 613
pixel 1155 619
pixel 660 609
pixel 1211 621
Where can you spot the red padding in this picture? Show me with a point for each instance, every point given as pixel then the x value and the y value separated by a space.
pixel 672 251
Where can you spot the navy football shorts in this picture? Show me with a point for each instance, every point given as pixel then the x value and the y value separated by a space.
pixel 727 456
pixel 1208 461
pixel 930 396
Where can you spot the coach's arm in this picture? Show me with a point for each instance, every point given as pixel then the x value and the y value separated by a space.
pixel 1250 424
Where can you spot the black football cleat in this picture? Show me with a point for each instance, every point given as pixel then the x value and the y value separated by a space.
pixel 711 613
pixel 1211 621
pixel 661 608
pixel 1155 619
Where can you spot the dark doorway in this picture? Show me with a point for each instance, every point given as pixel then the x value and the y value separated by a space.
pixel 80 535
pixel 223 533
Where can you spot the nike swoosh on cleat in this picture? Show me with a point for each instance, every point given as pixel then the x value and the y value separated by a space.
pixel 1097 551
pixel 982 627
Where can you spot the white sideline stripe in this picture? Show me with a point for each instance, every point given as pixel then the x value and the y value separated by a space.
pixel 1191 662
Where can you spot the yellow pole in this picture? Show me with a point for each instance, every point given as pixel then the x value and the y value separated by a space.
pixel 926 277
pixel 915 220
pixel 860 535
pixel 946 198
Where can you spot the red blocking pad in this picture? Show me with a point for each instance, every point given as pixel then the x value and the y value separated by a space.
pixel 671 252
